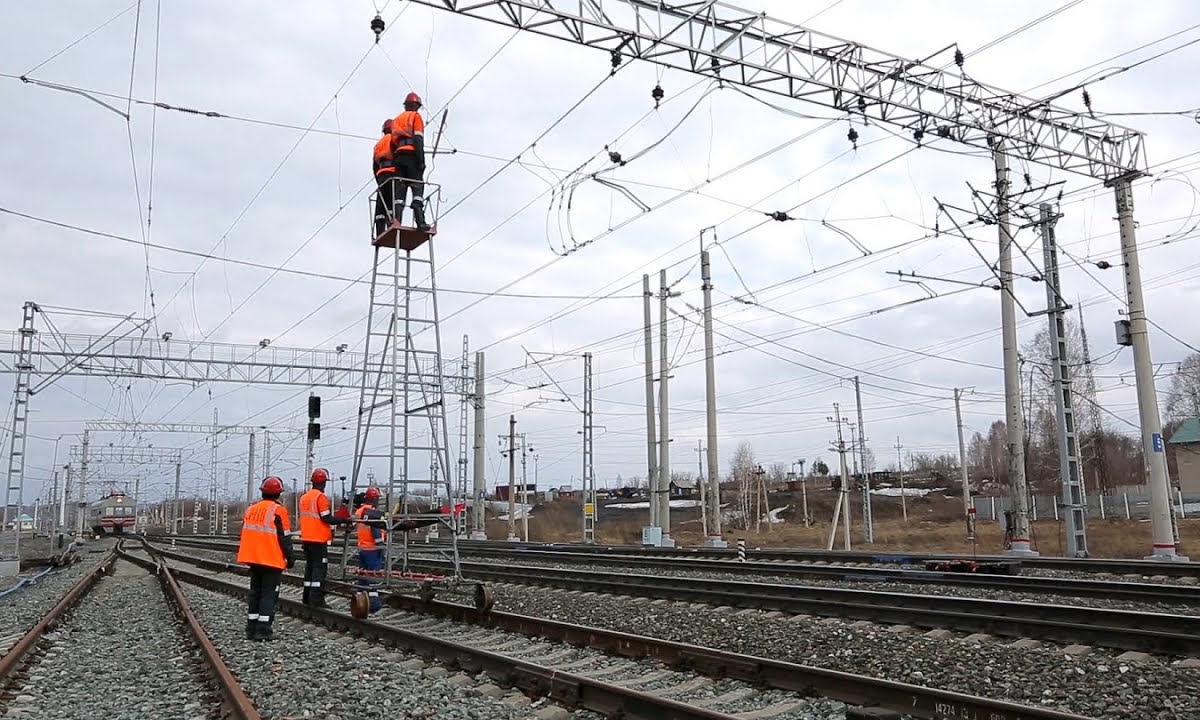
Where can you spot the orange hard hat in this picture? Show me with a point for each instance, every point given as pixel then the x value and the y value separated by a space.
pixel 372 493
pixel 412 99
pixel 272 486
pixel 320 476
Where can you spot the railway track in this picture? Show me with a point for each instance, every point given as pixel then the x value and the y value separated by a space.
pixel 614 672
pixel 1137 568
pixel 65 666
pixel 1160 633
pixel 1070 587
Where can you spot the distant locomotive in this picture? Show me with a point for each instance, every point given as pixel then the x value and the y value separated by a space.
pixel 111 515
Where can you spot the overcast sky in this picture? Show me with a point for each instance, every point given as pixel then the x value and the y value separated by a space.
pixel 253 186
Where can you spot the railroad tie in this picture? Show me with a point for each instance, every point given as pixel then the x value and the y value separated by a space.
pixel 771 711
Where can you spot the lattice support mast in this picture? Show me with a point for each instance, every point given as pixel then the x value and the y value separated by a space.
pixel 1064 401
pixel 10 549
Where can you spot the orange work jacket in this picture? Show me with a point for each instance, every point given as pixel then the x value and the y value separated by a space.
pixel 366 532
pixel 405 127
pixel 260 541
pixel 382 160
pixel 313 505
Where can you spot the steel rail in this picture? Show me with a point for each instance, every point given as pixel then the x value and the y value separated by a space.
pixel 1161 633
pixel 914 700
pixel 237 703
pixel 1113 590
pixel 15 657
pixel 1125 630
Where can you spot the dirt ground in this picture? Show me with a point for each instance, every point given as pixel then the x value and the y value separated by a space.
pixel 933 525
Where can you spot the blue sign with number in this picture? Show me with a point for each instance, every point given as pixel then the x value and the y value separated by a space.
pixel 1156 442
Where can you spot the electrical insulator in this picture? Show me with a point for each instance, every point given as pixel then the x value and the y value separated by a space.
pixel 943 131
pixel 862 105
pixel 918 134
pixel 657 93
pixel 1087 100
pixel 377 26
pixel 852 136
pixel 616 60
pixel 779 216
pixel 959 58
pixel 615 157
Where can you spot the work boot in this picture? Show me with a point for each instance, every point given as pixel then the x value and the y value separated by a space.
pixel 251 629
pixel 263 631
pixel 418 209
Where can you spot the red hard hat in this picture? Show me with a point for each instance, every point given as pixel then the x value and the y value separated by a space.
pixel 412 97
pixel 272 486
pixel 320 476
pixel 372 493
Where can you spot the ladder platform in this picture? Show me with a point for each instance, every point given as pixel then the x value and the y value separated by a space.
pixel 408 237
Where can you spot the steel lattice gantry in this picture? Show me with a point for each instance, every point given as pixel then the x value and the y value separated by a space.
pixel 40 357
pixel 758 52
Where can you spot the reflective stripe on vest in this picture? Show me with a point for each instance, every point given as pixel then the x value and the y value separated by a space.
pixel 312 527
pixel 259 543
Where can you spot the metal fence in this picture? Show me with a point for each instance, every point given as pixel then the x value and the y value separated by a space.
pixel 1123 506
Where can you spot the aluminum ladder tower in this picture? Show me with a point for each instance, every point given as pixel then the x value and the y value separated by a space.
pixel 401 432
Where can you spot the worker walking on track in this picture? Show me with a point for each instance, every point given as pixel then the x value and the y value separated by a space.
pixel 384 167
pixel 266 547
pixel 408 154
pixel 316 530
pixel 371 533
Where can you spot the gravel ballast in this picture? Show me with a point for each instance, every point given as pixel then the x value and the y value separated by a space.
pixel 1095 684
pixel 121 655
pixel 22 609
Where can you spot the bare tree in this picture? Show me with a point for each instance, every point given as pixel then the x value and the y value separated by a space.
pixel 1183 397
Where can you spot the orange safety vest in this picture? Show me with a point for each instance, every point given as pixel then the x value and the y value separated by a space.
pixel 314 504
pixel 405 126
pixel 382 158
pixel 366 535
pixel 260 542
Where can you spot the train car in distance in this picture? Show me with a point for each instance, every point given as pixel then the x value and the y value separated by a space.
pixel 112 515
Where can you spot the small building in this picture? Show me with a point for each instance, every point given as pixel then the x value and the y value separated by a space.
pixel 529 489
pixel 1185 443
pixel 24 523
pixel 683 488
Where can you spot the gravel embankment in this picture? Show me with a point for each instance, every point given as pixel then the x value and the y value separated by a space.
pixel 308 672
pixel 121 654
pixel 22 609
pixel 1095 684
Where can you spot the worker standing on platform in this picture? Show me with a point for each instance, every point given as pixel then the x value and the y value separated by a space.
pixel 316 530
pixel 266 547
pixel 408 153
pixel 384 167
pixel 371 533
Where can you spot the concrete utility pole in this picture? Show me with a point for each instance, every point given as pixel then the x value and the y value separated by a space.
pixel 512 478
pixel 81 501
pixel 663 494
pixel 176 509
pixel 1014 421
pixel 1074 503
pixel 525 450
pixel 900 470
pixel 266 470
pixel 478 529
pixel 968 516
pixel 1165 533
pixel 651 443
pixel 868 518
pixel 713 507
pixel 701 482
pixel 843 505
pixel 250 472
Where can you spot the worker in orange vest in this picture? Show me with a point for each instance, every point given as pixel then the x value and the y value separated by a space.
pixel 316 530
pixel 371 533
pixel 266 547
pixel 408 156
pixel 384 167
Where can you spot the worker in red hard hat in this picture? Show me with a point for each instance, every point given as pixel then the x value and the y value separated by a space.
pixel 371 534
pixel 408 154
pixel 316 530
pixel 383 165
pixel 266 547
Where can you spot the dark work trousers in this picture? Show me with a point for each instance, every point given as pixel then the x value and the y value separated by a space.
pixel 410 177
pixel 371 560
pixel 384 201
pixel 264 591
pixel 315 564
